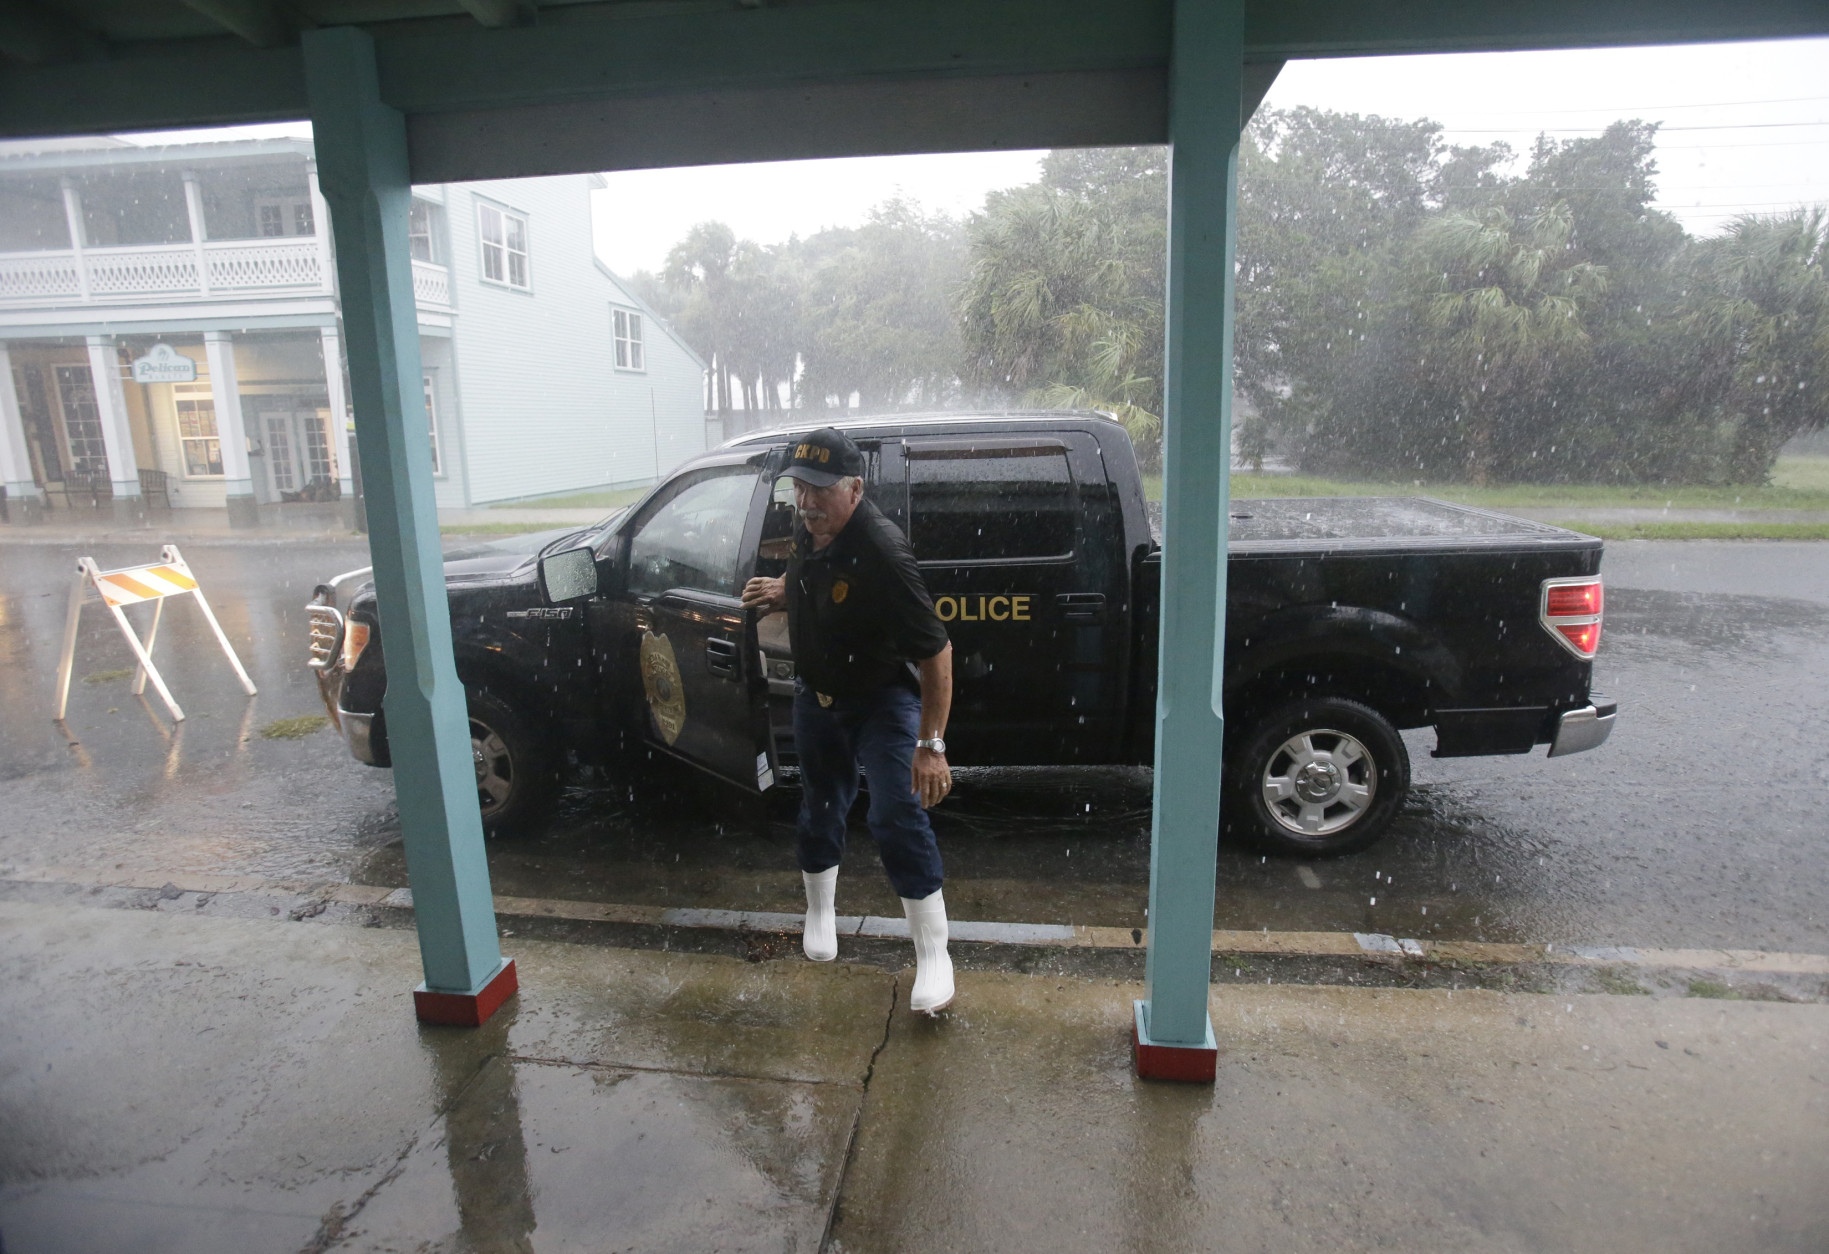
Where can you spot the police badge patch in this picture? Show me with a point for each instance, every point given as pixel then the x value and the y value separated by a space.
pixel 660 679
pixel 840 590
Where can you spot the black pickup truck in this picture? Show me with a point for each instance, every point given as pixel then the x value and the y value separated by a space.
pixel 1348 620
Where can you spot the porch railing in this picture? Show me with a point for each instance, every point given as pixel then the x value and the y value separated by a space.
pixel 431 284
pixel 168 272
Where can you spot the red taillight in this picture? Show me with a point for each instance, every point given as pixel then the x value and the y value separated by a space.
pixel 1571 613
pixel 1585 637
pixel 1572 598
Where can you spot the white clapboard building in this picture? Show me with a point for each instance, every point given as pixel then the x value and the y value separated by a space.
pixel 169 336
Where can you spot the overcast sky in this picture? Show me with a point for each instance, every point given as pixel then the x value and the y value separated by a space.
pixel 1746 129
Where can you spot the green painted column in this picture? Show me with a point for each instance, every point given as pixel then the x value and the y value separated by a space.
pixel 362 168
pixel 1205 81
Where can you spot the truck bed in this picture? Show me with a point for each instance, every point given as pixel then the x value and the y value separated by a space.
pixel 1370 524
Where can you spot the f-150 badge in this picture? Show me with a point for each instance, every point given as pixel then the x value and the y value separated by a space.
pixel 660 679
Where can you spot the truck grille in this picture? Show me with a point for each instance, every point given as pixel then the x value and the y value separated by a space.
pixel 326 634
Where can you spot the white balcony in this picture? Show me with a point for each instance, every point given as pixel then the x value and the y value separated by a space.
pixel 431 284
pixel 160 273
pixel 167 273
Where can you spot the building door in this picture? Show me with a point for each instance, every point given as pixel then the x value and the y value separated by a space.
pixel 299 462
pixel 82 423
pixel 277 434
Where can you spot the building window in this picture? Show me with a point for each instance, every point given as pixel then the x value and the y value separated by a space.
pixel 425 227
pixel 504 246
pixel 431 419
pixel 628 341
pixel 280 216
pixel 82 421
pixel 196 408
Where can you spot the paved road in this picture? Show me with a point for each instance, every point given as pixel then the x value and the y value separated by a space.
pixel 1701 822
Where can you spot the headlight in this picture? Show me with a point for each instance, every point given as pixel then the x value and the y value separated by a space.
pixel 355 639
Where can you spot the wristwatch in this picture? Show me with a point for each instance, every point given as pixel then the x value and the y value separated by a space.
pixel 936 744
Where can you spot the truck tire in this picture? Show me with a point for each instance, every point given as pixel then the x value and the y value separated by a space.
pixel 516 775
pixel 1318 778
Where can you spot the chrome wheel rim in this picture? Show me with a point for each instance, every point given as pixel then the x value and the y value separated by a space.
pixel 494 767
pixel 1319 782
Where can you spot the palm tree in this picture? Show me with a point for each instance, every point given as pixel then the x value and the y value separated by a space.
pixel 1063 306
pixel 699 267
pixel 1509 299
pixel 1759 296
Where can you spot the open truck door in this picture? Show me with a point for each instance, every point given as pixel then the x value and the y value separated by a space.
pixel 675 621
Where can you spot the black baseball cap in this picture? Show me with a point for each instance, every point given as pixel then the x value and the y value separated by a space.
pixel 823 457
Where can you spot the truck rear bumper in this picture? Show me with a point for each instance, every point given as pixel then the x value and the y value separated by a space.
pixel 1586 728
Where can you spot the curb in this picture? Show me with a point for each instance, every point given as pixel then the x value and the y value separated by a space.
pixel 1019 936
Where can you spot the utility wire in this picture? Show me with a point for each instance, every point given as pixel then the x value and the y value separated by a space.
pixel 1583 130
pixel 1717 104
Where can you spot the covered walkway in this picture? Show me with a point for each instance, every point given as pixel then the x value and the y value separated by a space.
pixel 498 89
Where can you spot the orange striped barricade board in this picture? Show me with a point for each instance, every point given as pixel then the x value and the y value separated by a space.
pixel 156 582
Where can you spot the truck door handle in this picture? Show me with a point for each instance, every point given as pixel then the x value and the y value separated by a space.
pixel 721 657
pixel 1081 607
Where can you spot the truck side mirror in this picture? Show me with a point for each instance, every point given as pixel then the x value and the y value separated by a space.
pixel 568 575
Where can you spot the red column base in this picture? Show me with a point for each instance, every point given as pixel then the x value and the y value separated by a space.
pixel 467 1010
pixel 1189 1064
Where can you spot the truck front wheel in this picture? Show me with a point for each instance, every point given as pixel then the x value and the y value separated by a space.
pixel 1319 778
pixel 515 776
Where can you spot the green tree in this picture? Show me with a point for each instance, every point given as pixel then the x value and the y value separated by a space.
pixel 1062 303
pixel 1508 309
pixel 1759 311
pixel 1326 203
pixel 698 273
pixel 877 310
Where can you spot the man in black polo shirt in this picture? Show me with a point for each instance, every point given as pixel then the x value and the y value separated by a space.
pixel 874 687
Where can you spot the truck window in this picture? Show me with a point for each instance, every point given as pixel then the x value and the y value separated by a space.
pixel 694 538
pixel 993 503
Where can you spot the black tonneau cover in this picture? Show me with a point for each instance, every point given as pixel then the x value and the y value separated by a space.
pixel 1376 523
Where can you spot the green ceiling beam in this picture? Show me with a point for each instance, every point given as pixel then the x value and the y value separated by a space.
pixel 583 53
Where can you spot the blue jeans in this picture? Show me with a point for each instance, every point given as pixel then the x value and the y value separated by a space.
pixel 877 733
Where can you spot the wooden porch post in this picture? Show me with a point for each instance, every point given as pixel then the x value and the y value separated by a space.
pixel 362 169
pixel 1174 1035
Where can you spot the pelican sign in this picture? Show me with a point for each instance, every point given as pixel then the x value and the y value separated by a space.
pixel 164 364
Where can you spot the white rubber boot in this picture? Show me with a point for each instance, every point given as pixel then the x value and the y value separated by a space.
pixel 933 986
pixel 820 936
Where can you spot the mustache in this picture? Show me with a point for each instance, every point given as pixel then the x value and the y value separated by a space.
pixel 814 515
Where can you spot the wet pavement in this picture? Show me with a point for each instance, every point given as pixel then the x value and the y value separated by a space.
pixel 1698 824
pixel 216 1070
pixel 182 1083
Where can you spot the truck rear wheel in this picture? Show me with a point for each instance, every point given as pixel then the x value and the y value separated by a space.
pixel 1319 778
pixel 515 776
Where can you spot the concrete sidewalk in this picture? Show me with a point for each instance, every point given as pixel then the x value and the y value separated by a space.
pixel 171 1081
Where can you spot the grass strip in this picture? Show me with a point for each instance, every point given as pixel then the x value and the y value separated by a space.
pixel 1546 495
pixel 1700 530
pixel 606 499
pixel 498 529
